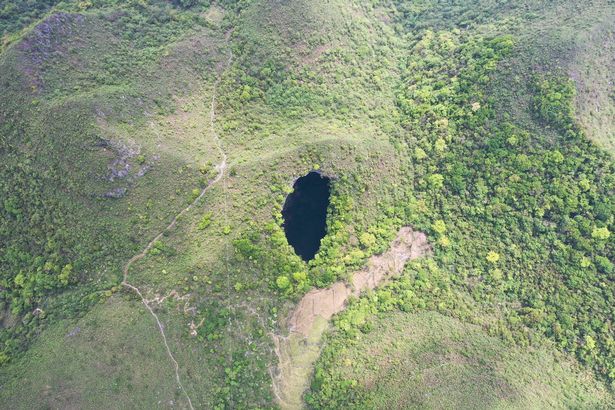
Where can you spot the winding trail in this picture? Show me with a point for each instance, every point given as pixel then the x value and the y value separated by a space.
pixel 221 168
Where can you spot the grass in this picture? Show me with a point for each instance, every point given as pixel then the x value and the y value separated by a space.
pixel 592 71
pixel 430 361
pixel 113 352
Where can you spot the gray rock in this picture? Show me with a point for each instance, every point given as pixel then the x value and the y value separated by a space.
pixel 116 193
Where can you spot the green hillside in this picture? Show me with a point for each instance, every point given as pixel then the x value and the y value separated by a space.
pixel 427 360
pixel 147 148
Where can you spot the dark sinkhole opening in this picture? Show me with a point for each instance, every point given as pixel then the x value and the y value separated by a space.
pixel 305 214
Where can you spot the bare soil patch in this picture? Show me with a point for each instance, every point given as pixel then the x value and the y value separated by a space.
pixel 298 351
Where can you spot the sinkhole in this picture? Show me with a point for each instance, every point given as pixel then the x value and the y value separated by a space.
pixel 305 214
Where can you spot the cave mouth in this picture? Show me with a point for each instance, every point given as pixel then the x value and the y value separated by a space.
pixel 305 214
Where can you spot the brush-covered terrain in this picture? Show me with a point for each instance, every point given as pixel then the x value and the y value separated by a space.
pixel 147 148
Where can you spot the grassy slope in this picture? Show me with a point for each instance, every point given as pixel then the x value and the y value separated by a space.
pixel 311 84
pixel 543 45
pixel 572 40
pixel 92 101
pixel 427 360
pixel 63 109
pixel 107 357
pixel 269 142
pixel 592 70
pixel 439 348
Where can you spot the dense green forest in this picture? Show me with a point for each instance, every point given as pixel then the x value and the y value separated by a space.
pixel 148 147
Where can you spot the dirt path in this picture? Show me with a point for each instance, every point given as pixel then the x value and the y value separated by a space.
pixel 220 168
pixel 298 351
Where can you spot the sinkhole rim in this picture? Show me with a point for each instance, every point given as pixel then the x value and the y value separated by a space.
pixel 304 213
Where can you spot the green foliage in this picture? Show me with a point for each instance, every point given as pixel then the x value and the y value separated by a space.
pixel 443 78
pixel 497 190
pixel 447 362
pixel 35 259
pixel 604 265
pixel 554 101
pixel 478 177
pixel 492 257
pixel 422 287
pixel 439 226
pixel 205 221
pixel 336 258
pixel 160 248
pixel 419 153
pixel 525 229
pixel 268 250
pixel 282 282
pixel 186 4
pixel 602 234
pixel 15 15
pixel 367 240
pixel 436 181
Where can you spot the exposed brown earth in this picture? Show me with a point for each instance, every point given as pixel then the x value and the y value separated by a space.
pixel 298 351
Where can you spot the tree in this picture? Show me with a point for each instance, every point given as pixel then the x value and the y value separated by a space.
pixel 367 240
pixel 439 226
pixel 66 274
pixel 436 181
pixel 602 234
pixel 440 145
pixel 186 4
pixel 419 153
pixel 493 257
pixel 282 282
